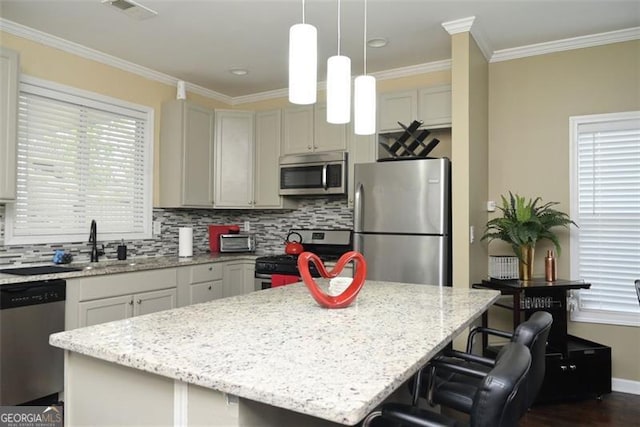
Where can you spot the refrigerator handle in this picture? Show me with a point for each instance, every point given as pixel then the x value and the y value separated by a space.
pixel 357 207
pixel 324 177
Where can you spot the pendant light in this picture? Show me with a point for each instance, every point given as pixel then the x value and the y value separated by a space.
pixel 338 85
pixel 303 62
pixel 364 104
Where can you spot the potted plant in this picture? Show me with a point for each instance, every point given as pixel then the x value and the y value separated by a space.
pixel 522 224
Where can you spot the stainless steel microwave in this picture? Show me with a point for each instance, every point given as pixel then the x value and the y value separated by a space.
pixel 313 174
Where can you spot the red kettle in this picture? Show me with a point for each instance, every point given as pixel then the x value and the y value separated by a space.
pixel 293 247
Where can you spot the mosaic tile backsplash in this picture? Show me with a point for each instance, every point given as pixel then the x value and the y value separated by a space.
pixel 270 227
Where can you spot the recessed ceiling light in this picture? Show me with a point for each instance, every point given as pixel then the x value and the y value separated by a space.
pixel 377 42
pixel 239 71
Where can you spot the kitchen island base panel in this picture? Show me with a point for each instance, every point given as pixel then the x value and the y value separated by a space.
pixel 137 398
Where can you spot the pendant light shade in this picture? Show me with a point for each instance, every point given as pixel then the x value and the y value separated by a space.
pixel 338 89
pixel 303 64
pixel 364 105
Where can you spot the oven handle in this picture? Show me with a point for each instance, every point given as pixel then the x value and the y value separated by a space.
pixel 325 185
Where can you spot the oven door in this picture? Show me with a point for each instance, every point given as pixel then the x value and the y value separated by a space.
pixel 262 281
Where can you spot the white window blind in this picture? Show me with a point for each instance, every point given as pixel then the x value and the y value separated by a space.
pixel 81 156
pixel 606 207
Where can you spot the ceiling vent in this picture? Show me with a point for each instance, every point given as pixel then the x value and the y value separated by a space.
pixel 131 8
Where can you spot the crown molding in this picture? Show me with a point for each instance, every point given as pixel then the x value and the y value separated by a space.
pixel 566 44
pixel 462 25
pixel 95 55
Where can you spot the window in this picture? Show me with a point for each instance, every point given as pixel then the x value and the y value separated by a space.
pixel 81 156
pixel 605 192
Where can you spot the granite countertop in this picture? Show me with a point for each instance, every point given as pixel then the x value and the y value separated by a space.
pixel 127 266
pixel 279 347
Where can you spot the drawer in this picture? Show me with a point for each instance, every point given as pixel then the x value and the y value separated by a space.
pixel 111 285
pixel 206 272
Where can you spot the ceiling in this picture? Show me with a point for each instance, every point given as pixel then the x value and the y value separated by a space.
pixel 199 41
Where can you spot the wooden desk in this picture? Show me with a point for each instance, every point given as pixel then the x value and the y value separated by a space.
pixel 575 368
pixel 535 295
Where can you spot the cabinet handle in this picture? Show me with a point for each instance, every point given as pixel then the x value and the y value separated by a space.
pixel 573 367
pixel 131 302
pixel 209 287
pixel 308 147
pixel 563 368
pixel 315 146
pixel 210 268
pixel 139 301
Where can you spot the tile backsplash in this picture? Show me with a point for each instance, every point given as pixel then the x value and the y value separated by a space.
pixel 270 227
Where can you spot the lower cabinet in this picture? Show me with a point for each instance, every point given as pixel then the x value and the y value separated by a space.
pixel 238 278
pixel 199 283
pixel 207 282
pixel 109 297
pixel 124 306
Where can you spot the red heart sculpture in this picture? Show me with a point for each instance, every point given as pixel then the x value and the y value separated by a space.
pixel 349 294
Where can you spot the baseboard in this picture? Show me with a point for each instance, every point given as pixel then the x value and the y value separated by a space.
pixel 625 386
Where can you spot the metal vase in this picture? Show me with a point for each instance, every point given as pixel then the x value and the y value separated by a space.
pixel 526 262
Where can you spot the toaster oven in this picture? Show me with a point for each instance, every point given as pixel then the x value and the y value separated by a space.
pixel 237 243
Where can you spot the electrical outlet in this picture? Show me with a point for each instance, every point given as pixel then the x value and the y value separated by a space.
pixel 156 228
pixel 472 234
pixel 247 226
pixel 491 206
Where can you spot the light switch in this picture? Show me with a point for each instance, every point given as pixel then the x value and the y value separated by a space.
pixel 472 234
pixel 157 228
pixel 491 206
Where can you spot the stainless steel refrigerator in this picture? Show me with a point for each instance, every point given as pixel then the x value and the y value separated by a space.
pixel 402 220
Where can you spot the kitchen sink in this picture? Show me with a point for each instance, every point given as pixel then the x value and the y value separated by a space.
pixel 41 269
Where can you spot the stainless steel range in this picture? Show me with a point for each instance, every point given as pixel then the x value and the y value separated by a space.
pixel 329 245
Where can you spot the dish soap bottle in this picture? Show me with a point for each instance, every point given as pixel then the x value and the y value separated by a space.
pixel 550 267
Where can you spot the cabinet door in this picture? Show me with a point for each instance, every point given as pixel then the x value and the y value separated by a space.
pixel 206 291
pixel 327 136
pixel 150 302
pixel 234 159
pixel 186 155
pixel 104 310
pixel 434 106
pixel 362 149
pixel 234 280
pixel 297 129
pixel 267 152
pixel 397 107
pixel 198 159
pixel 8 122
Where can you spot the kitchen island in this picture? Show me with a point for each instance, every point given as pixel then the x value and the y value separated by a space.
pixel 272 357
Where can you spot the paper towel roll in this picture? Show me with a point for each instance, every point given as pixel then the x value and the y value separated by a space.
pixel 185 242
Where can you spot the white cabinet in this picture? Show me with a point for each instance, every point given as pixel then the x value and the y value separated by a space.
pixel 124 306
pixel 266 185
pixel 9 69
pixel 431 105
pixel 305 130
pixel 186 155
pixel 238 278
pixel 362 149
pixel 234 151
pixel 99 299
pixel 200 283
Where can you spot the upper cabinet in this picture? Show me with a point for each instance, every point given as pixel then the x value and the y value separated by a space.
pixel 186 155
pixel 9 69
pixel 247 149
pixel 431 105
pixel 234 151
pixel 305 130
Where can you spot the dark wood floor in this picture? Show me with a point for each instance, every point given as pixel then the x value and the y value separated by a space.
pixel 615 409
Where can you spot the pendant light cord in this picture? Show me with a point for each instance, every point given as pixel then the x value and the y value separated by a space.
pixel 364 41
pixel 338 27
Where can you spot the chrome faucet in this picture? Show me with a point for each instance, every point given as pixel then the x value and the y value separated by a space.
pixel 93 239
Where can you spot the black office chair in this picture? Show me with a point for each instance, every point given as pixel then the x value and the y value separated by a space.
pixel 456 391
pixel 499 399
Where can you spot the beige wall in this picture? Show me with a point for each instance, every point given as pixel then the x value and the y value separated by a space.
pixel 44 62
pixel 530 102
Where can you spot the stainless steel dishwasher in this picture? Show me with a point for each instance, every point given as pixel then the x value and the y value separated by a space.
pixel 30 368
